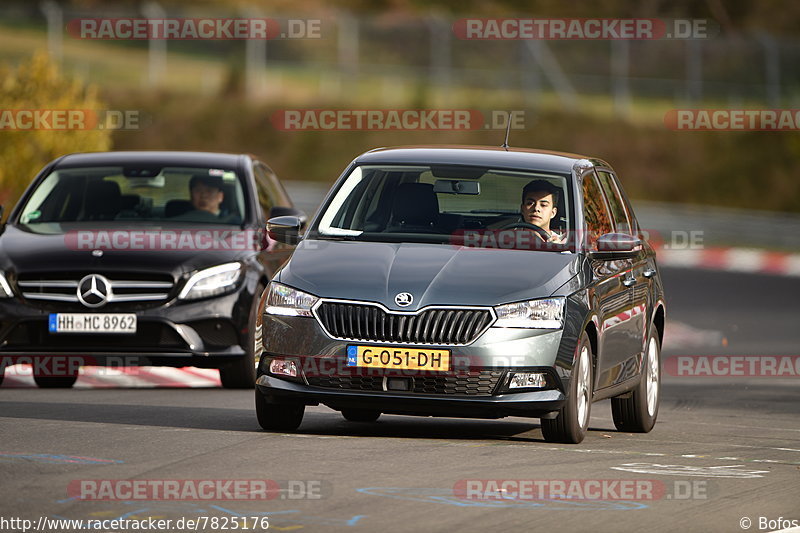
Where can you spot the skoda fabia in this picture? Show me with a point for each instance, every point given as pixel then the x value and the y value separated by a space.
pixel 466 282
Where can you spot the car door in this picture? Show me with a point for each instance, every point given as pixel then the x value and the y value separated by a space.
pixel 612 295
pixel 638 277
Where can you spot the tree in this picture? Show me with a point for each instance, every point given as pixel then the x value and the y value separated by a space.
pixel 38 85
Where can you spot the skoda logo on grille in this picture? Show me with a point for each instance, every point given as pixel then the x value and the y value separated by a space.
pixel 403 299
pixel 94 290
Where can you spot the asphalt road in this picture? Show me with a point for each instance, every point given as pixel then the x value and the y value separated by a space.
pixel 724 448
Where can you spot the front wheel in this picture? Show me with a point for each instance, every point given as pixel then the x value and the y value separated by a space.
pixel 638 412
pixel 573 418
pixel 241 374
pixel 280 417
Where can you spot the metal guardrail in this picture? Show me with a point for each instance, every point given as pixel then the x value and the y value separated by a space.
pixel 678 225
pixel 719 226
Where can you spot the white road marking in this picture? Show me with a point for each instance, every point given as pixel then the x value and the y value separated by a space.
pixel 723 471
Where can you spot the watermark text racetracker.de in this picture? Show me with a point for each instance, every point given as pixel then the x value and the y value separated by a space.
pixel 69 119
pixel 582 29
pixel 197 489
pixel 725 366
pixel 67 365
pixel 732 119
pixel 581 489
pixel 167 240
pixel 194 28
pixel 395 119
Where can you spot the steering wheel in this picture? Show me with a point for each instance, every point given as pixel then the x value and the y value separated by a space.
pixel 520 224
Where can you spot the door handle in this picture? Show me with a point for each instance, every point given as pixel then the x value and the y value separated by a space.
pixel 650 272
pixel 629 282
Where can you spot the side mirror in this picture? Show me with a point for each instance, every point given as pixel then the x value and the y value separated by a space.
pixel 613 246
pixel 281 211
pixel 285 229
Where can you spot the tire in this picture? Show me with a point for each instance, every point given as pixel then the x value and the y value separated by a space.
pixel 2 374
pixel 278 417
pixel 638 412
pixel 241 374
pixel 573 418
pixel 361 415
pixel 52 382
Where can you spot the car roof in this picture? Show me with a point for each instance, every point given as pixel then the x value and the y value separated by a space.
pixel 561 162
pixel 172 158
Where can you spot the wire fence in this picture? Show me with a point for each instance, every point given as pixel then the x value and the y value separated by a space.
pixel 348 51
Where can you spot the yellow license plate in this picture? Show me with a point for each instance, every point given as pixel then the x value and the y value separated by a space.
pixel 398 358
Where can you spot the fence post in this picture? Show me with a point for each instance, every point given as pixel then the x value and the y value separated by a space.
pixel 694 70
pixel 156 48
pixel 620 73
pixel 347 43
pixel 255 63
pixel 772 69
pixel 530 77
pixel 440 57
pixel 552 70
pixel 55 29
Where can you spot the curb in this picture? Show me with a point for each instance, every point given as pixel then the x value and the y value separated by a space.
pixel 748 260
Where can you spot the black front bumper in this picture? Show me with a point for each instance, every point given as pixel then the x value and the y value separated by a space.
pixel 205 333
pixel 534 404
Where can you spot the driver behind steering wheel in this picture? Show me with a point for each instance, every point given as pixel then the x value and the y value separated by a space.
pixel 539 199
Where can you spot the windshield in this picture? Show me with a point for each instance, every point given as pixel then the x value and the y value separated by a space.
pixel 480 207
pixel 153 194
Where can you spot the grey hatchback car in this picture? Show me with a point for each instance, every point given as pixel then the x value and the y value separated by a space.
pixel 470 282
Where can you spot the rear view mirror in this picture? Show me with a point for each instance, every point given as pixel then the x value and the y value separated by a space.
pixel 456 187
pixel 613 246
pixel 282 211
pixel 285 229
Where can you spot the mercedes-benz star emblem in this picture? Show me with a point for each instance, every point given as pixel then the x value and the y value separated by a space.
pixel 94 290
pixel 403 299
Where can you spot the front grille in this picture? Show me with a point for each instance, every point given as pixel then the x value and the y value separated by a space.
pixel 473 383
pixel 123 288
pixel 370 322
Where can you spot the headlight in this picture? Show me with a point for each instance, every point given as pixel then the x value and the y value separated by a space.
pixel 211 281
pixel 5 288
pixel 547 313
pixel 286 301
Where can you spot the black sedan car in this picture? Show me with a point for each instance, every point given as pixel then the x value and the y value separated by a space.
pixel 140 258
pixel 466 282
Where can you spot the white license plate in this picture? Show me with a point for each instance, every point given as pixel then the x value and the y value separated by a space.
pixel 92 323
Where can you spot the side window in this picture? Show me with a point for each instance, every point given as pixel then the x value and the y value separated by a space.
pixel 264 198
pixel 270 193
pixel 595 211
pixel 615 202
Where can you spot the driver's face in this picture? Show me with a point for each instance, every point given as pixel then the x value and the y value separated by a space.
pixel 206 198
pixel 538 209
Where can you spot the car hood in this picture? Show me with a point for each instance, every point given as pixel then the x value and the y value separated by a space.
pixel 23 251
pixel 435 274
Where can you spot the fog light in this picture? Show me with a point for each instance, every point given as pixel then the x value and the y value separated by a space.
pixel 523 380
pixel 282 367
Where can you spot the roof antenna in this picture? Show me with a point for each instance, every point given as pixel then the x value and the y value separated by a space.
pixel 508 130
